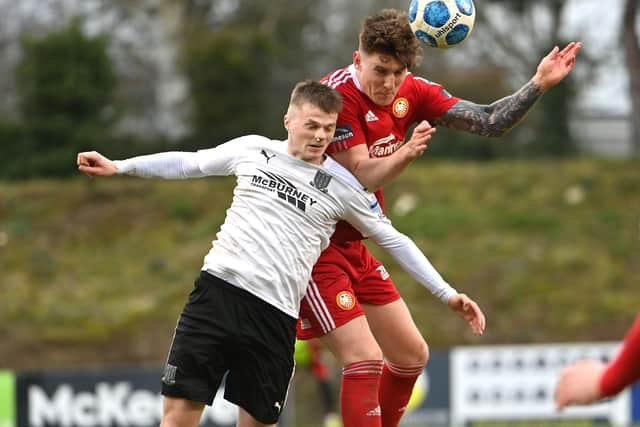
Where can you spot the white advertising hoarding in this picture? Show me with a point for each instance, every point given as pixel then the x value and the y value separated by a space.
pixel 517 382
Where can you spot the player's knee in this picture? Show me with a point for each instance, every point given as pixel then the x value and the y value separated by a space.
pixel 423 353
pixel 419 355
pixel 365 350
pixel 362 354
pixel 415 354
pixel 178 412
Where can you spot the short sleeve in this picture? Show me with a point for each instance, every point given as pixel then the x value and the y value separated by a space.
pixel 433 99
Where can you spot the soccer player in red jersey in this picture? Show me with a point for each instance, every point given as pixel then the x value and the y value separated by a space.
pixel 382 99
pixel 589 380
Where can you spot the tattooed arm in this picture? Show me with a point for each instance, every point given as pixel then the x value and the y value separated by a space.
pixel 502 115
pixel 494 119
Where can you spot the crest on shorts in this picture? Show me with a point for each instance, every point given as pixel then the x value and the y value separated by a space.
pixel 321 181
pixel 169 375
pixel 345 300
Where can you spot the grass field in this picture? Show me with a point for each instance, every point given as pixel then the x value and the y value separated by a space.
pixel 95 272
pixel 549 249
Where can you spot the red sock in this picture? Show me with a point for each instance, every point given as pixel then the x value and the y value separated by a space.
pixel 359 394
pixel 396 385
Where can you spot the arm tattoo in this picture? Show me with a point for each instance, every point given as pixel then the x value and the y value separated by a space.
pixel 494 119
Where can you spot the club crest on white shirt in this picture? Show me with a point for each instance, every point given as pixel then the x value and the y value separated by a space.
pixel 321 181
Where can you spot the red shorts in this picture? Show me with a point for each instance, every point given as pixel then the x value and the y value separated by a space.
pixel 345 275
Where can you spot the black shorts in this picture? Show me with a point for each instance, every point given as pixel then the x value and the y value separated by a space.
pixel 224 329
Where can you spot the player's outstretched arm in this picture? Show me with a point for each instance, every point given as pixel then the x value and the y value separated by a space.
pixel 501 116
pixel 554 67
pixel 219 161
pixel 412 260
pixel 469 310
pixel 579 384
pixel 168 165
pixel 93 163
pixel 587 381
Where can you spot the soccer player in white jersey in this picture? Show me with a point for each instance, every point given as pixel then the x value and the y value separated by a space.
pixel 241 315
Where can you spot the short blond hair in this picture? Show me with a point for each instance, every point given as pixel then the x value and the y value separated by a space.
pixel 317 94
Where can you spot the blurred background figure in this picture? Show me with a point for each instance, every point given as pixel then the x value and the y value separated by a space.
pixel 587 381
pixel 309 356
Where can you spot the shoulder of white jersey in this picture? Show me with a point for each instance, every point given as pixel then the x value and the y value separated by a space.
pixel 343 174
pixel 253 142
pixel 337 78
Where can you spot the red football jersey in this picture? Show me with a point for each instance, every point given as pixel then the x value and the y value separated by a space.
pixel 624 370
pixel 383 129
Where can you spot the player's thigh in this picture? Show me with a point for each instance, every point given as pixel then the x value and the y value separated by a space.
pixel 353 342
pixel 196 363
pixel 260 360
pixel 329 303
pixel 259 384
pixel 396 333
pixel 179 412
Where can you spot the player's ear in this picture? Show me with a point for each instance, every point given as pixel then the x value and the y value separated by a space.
pixel 286 122
pixel 357 60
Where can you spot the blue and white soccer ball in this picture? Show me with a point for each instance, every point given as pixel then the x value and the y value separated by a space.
pixel 442 23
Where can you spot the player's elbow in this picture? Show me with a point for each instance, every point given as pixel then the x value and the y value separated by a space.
pixel 492 129
pixel 495 129
pixel 369 180
pixel 497 132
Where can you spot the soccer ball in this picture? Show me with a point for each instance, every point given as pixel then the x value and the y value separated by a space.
pixel 442 23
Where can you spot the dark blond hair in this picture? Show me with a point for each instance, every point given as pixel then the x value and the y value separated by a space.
pixel 388 32
pixel 316 94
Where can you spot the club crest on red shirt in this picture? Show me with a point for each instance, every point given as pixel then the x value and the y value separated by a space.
pixel 400 107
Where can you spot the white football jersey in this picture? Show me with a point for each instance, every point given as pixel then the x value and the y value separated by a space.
pixel 283 213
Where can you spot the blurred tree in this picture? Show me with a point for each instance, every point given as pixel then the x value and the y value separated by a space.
pixel 227 71
pixel 516 35
pixel 241 62
pixel 65 84
pixel 632 55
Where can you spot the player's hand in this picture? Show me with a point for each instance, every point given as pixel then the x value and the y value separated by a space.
pixel 579 383
pixel 419 139
pixel 556 65
pixel 93 163
pixel 466 308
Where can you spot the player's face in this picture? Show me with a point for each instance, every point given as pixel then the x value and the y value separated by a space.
pixel 379 75
pixel 310 131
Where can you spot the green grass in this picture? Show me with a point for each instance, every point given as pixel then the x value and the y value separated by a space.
pixel 550 250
